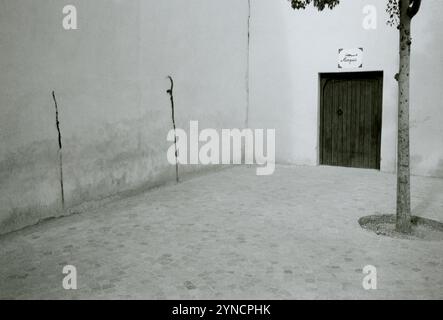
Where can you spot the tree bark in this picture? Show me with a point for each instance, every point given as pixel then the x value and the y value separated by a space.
pixel 403 223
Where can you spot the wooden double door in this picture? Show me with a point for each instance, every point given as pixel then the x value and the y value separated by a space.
pixel 350 119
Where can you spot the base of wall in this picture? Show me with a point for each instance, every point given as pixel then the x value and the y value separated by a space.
pixel 20 219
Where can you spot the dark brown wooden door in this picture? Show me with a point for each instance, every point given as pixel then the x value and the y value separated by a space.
pixel 350 119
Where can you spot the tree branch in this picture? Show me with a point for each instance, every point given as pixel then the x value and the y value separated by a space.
pixel 414 6
pixel 319 4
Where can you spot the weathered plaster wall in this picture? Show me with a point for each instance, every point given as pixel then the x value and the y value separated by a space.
pixel 426 91
pixel 110 80
pixel 290 48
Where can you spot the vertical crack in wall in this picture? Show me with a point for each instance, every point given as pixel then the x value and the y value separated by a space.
pixel 247 63
pixel 57 124
pixel 171 96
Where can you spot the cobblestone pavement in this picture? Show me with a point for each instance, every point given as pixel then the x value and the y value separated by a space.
pixel 233 235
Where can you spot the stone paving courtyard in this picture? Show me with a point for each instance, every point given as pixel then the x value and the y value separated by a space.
pixel 233 235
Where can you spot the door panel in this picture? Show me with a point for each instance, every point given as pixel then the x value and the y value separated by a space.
pixel 350 119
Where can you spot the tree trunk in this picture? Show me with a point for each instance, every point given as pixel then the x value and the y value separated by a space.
pixel 403 170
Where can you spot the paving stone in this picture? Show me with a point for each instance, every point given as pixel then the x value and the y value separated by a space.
pixel 233 235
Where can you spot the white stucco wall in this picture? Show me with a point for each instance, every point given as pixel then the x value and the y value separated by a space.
pixel 110 80
pixel 290 48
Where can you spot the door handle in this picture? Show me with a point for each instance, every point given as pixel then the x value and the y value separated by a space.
pixel 339 112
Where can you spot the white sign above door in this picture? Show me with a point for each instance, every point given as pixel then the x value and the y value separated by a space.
pixel 350 58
